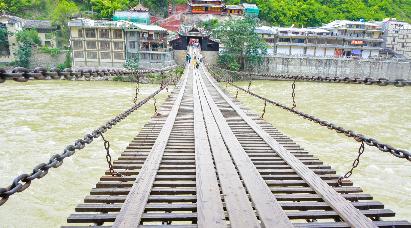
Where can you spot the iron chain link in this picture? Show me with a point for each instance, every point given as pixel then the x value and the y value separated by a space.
pixel 349 133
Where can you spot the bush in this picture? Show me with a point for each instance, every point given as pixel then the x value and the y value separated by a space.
pixel 51 51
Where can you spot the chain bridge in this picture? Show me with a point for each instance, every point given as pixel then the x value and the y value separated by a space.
pixel 204 160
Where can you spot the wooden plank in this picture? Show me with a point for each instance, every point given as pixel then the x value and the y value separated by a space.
pixel 269 210
pixel 133 207
pixel 343 207
pixel 209 204
pixel 239 208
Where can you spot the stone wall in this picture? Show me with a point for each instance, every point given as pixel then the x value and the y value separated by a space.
pixel 331 67
pixel 39 59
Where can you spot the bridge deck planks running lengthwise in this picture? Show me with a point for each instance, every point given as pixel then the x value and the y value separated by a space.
pixel 208 162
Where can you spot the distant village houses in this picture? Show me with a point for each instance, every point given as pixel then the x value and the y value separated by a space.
pixel 12 25
pixel 338 39
pixel 397 36
pixel 218 7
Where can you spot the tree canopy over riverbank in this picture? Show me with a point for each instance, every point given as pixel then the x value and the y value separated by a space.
pixel 316 12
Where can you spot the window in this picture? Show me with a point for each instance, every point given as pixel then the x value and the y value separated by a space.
pixel 105 33
pixel 92 55
pixel 105 55
pixel 118 55
pixel 133 34
pixel 118 45
pixel 91 44
pixel 284 40
pixel 118 34
pixel 104 45
pixel 80 33
pixel 78 55
pixel 77 44
pixel 90 33
pixel 132 44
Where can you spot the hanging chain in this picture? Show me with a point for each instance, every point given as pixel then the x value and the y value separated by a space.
pixel 236 94
pixel 137 89
pixel 249 85
pixel 293 95
pixel 354 164
pixel 108 157
pixel 265 106
pixel 155 105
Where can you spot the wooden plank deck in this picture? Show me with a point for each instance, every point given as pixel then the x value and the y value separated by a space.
pixel 206 161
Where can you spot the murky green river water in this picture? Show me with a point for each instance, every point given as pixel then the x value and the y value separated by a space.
pixel 39 118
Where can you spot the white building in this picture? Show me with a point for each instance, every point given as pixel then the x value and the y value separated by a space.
pixel 397 36
pixel 337 39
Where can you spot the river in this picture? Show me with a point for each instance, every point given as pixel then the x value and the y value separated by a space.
pixel 39 118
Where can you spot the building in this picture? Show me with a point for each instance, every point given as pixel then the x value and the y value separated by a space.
pixel 337 39
pixel 251 10
pixel 397 36
pixel 359 39
pixel 148 44
pixel 206 6
pixel 12 25
pixel 138 14
pixel 186 35
pixel 98 43
pixel 234 9
pixel 45 29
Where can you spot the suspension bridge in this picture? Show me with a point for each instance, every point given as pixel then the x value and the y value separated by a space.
pixel 204 160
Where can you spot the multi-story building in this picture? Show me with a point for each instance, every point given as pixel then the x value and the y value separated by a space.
pixel 148 43
pixel 206 6
pixel 337 39
pixel 360 39
pixel 218 7
pixel 98 43
pixel 397 36
pixel 12 25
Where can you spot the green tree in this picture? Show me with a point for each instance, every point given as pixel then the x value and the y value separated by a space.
pixel 60 16
pixel 241 43
pixel 106 8
pixel 26 40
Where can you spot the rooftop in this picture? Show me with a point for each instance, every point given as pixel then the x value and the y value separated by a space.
pixel 39 24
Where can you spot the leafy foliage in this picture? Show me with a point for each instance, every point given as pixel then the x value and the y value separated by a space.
pixel 106 8
pixel 4 43
pixel 241 44
pixel 317 12
pixel 51 51
pixel 26 39
pixel 132 63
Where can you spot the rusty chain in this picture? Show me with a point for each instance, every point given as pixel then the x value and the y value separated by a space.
pixel 108 157
pixel 355 163
pixel 349 133
pixel 293 94
pixel 356 80
pixel 265 106
pixel 236 94
pixel 135 99
pixel 22 74
pixel 23 181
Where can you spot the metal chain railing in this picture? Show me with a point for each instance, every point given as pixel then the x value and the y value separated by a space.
pixel 293 94
pixel 23 181
pixel 349 133
pixel 355 163
pixel 135 99
pixel 21 74
pixel 108 157
pixel 355 80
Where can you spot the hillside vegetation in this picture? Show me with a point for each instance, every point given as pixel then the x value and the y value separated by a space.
pixel 316 12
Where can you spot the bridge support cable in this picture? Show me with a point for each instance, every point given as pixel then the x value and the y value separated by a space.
pixel 344 208
pixel 133 207
pixel 23 181
pixel 349 133
pixel 356 80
